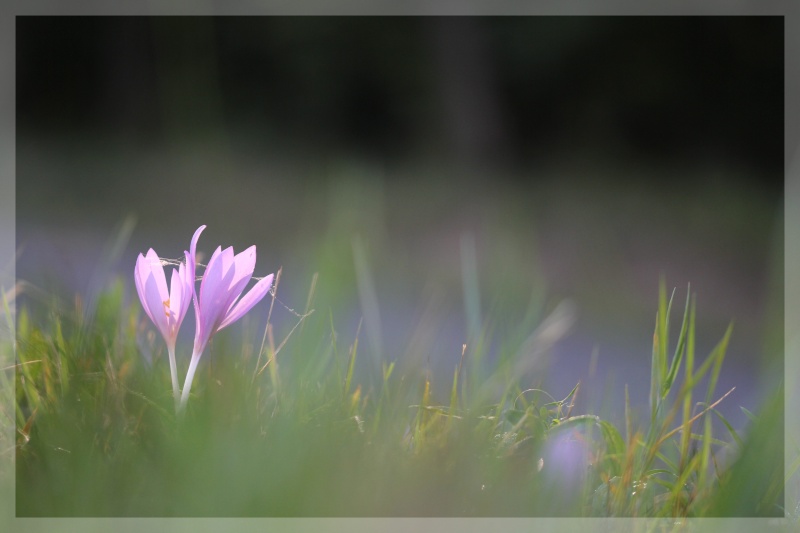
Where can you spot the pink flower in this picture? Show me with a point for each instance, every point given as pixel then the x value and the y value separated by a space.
pixel 218 304
pixel 166 308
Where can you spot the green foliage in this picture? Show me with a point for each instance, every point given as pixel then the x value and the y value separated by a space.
pixel 97 434
pixel 687 475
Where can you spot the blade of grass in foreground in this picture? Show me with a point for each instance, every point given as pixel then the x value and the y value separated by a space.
pixel 368 297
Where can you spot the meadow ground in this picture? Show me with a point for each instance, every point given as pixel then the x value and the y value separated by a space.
pixel 374 406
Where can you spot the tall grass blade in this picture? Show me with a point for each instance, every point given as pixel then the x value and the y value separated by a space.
pixel 352 365
pixel 754 484
pixel 274 292
pixel 679 350
pixel 471 289
pixel 688 375
pixel 310 298
pixel 628 427
pixel 453 397
pixel 734 434
pixel 719 355
pixel 368 297
pixel 112 253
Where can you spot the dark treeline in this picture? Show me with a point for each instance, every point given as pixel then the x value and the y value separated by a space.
pixel 482 89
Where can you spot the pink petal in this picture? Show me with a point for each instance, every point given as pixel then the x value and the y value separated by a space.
pixel 244 264
pixel 247 302
pixel 214 297
pixel 188 288
pixel 214 264
pixel 139 275
pixel 157 269
pixel 200 335
pixel 156 302
pixel 191 259
pixel 226 259
pixel 176 293
pixel 224 279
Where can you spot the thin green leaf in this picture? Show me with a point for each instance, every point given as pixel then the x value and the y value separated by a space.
pixel 671 464
pixel 351 367
pixel 719 355
pixel 715 357
pixel 679 350
pixel 730 429
pixel 614 443
pixel 575 388
pixel 750 416
pixel 575 422
pixel 454 393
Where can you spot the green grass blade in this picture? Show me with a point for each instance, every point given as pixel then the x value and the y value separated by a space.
pixel 575 422
pixel 351 367
pixel 705 453
pixel 730 429
pixel 714 358
pixel 628 426
pixel 720 356
pixel 471 289
pixel 335 348
pixel 688 376
pixel 368 298
pixel 63 360
pixel 794 467
pixel 679 351
pixel 673 468
pixel 454 394
pixel 615 446
pixel 654 379
pixel 750 416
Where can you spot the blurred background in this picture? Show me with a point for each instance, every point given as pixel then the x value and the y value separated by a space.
pixel 437 174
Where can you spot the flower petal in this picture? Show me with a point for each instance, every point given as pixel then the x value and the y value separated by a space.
pixel 214 298
pixel 247 302
pixel 188 287
pixel 177 290
pixel 200 334
pixel 216 302
pixel 244 264
pixel 157 302
pixel 191 258
pixel 242 268
pixel 157 269
pixel 140 273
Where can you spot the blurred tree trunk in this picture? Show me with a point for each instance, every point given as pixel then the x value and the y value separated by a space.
pixel 128 105
pixel 471 117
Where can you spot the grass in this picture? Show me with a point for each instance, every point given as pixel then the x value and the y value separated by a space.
pixel 292 424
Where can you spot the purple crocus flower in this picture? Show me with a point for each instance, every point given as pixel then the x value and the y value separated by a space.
pixel 218 304
pixel 166 308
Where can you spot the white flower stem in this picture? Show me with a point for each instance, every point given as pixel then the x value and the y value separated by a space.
pixel 173 371
pixel 189 377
